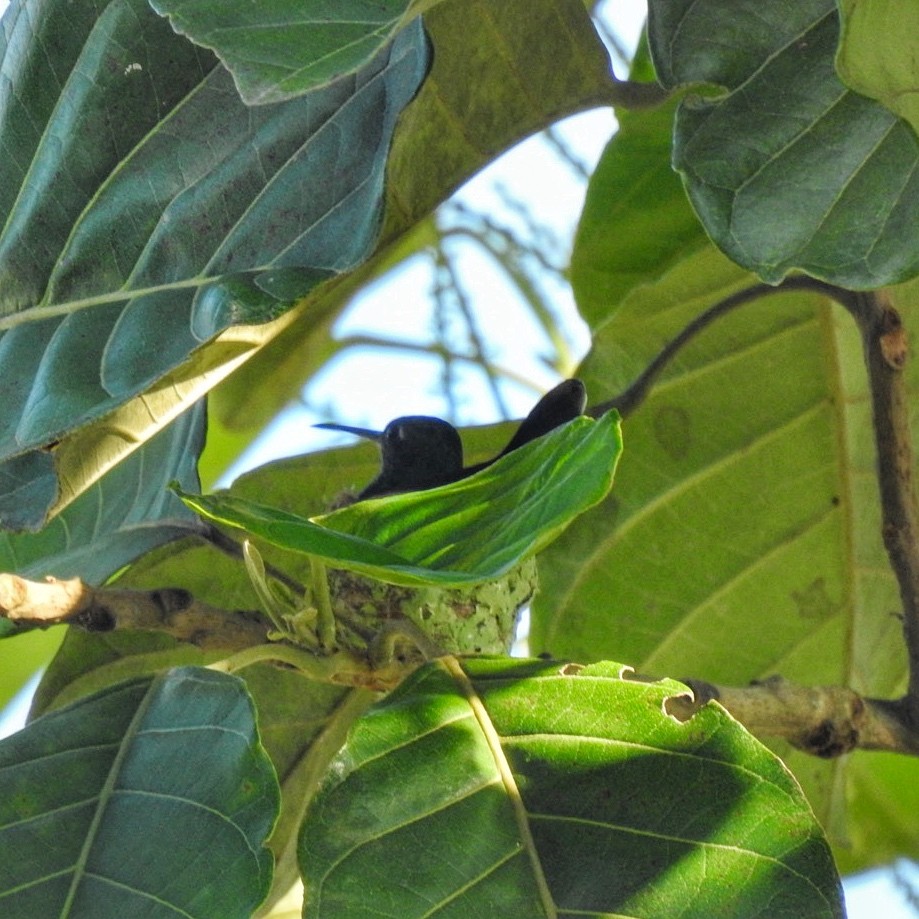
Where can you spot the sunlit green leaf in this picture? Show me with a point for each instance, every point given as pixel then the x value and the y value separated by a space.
pixel 541 790
pixel 877 53
pixel 743 538
pixel 474 530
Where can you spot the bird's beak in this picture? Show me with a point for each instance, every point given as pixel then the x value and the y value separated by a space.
pixel 366 433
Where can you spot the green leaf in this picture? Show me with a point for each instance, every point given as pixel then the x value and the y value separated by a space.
pixel 127 513
pixel 582 796
pixel 788 169
pixel 120 804
pixel 196 214
pixel 301 722
pixel 743 538
pixel 471 531
pixel 24 657
pixel 284 48
pixel 636 221
pixel 513 47
pixel 877 53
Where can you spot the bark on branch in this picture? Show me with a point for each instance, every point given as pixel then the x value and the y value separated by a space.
pixel 39 604
pixel 884 343
pixel 825 721
pixel 828 721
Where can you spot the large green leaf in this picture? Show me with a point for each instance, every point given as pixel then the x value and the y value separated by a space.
pixel 195 215
pixel 129 511
pixel 471 531
pixel 120 804
pixel 542 790
pixel 789 169
pixel 877 53
pixel 301 722
pixel 744 536
pixel 513 47
pixel 284 48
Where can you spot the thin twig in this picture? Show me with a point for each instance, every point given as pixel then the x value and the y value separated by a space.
pixel 445 266
pixel 636 393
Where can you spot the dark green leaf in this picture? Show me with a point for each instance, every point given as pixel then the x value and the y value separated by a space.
pixel 474 530
pixel 120 804
pixel 171 213
pixel 128 512
pixel 790 169
pixel 280 49
pixel 301 722
pixel 581 795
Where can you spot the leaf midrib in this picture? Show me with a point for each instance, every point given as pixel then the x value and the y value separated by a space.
pixel 105 796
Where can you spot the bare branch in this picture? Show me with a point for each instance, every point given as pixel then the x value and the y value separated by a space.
pixel 37 604
pixel 825 721
pixel 884 343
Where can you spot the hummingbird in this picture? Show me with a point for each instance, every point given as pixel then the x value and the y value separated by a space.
pixel 416 452
pixel 560 404
pixel 419 451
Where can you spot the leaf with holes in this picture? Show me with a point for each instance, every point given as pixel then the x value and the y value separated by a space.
pixel 532 789
pixel 120 804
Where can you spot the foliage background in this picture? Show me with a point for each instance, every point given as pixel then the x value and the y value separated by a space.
pixel 690 479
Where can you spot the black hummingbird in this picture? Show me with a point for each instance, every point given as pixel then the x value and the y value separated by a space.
pixel 418 451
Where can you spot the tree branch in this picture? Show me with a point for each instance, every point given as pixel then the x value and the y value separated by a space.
pixel 636 393
pixel 825 721
pixel 635 95
pixel 884 343
pixel 37 604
